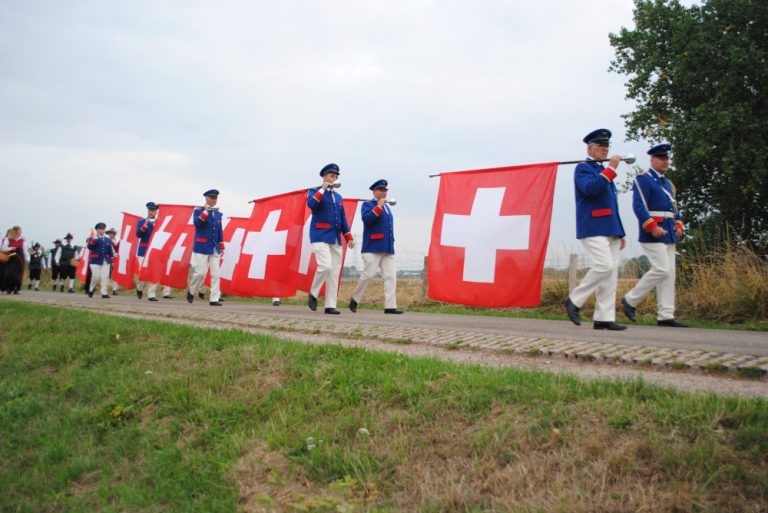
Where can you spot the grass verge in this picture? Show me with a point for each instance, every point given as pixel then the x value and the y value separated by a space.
pixel 105 414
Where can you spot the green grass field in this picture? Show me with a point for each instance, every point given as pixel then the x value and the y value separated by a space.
pixel 103 414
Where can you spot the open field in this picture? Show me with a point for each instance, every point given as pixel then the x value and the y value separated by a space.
pixel 105 414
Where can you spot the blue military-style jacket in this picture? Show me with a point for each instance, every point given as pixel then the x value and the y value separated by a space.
pixel 329 222
pixel 209 237
pixel 101 251
pixel 143 233
pixel 654 203
pixel 379 230
pixel 597 205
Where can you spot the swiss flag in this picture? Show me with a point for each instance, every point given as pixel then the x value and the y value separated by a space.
pixel 489 235
pixel 170 248
pixel 233 234
pixel 269 250
pixel 307 261
pixel 124 266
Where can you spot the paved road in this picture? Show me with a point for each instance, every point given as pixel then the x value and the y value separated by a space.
pixel 690 339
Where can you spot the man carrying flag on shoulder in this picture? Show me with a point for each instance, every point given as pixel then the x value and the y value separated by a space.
pixel 208 248
pixel 327 225
pixel 144 229
pixel 599 228
pixel 378 248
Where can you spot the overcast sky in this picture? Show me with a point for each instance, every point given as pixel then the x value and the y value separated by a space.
pixel 107 105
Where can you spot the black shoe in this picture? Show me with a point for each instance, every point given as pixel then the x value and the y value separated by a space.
pixel 276 303
pixel 37 289
pixel 61 288
pixel 15 291
pixel 353 305
pixel 629 310
pixel 153 299
pixel 392 311
pixel 312 303
pixel 201 295
pixel 90 293
pixel 168 297
pixel 29 286
pixel 190 297
pixel 671 323
pixel 332 311
pixel 105 296
pixel 609 325
pixel 139 294
pixel 573 312
pixel 54 287
pixel 71 291
pixel 214 303
pixel 114 292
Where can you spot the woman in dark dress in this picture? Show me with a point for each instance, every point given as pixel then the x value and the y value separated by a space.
pixel 14 268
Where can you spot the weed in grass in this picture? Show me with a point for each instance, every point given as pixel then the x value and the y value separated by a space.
pixel 750 372
pixel 716 367
pixel 677 365
pixel 534 351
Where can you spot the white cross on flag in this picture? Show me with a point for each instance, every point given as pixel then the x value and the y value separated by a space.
pixel 489 235
pixel 269 251
pixel 124 267
pixel 170 248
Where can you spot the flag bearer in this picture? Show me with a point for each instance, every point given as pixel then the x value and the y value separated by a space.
pixel 208 248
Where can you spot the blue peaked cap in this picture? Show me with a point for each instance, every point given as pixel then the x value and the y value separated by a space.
pixel 330 168
pixel 379 184
pixel 660 150
pixel 599 135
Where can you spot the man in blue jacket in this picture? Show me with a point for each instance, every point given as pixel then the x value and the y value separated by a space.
pixel 661 225
pixel 327 226
pixel 100 260
pixel 378 248
pixel 599 228
pixel 208 248
pixel 144 229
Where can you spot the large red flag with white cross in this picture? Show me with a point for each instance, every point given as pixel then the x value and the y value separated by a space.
pixel 489 235
pixel 270 247
pixel 124 266
pixel 307 262
pixel 170 248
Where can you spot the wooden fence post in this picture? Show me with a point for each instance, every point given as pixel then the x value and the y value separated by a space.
pixel 572 272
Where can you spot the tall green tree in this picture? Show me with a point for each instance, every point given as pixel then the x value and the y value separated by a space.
pixel 698 76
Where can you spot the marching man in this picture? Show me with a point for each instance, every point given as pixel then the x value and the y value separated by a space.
pixel 144 229
pixel 599 228
pixel 100 260
pixel 208 248
pixel 63 259
pixel 112 234
pixel 327 226
pixel 36 265
pixel 53 264
pixel 655 205
pixel 378 248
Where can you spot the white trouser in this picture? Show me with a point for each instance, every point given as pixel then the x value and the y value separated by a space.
pixel 328 258
pixel 661 275
pixel 372 262
pixel 115 286
pixel 100 273
pixel 601 278
pixel 200 265
pixel 152 288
